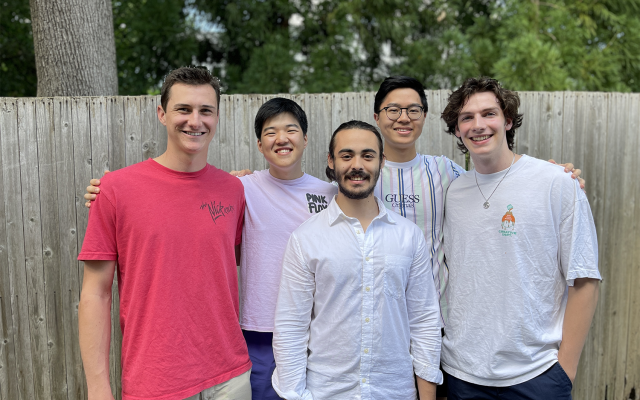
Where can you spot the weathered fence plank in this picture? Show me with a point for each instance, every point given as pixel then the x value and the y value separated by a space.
pixel 619 206
pixel 12 191
pixel 633 353
pixel 68 233
pixel 32 226
pixel 8 365
pixel 51 261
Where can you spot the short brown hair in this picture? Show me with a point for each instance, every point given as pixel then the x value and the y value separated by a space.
pixel 509 103
pixel 189 76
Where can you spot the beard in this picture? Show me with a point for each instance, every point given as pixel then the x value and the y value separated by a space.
pixel 361 193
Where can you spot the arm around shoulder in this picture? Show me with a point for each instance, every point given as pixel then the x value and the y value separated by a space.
pixel 94 323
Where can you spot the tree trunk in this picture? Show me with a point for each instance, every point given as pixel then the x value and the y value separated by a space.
pixel 74 47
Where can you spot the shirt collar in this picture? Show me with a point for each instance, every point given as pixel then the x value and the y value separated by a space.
pixel 336 214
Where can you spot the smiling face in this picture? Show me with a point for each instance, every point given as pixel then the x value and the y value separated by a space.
pixel 282 143
pixel 191 119
pixel 482 128
pixel 356 162
pixel 403 133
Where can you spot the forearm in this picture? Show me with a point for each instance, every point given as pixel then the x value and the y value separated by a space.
pixel 581 305
pixel 94 320
pixel 426 390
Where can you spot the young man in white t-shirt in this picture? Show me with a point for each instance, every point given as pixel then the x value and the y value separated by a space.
pixel 278 200
pixel 521 250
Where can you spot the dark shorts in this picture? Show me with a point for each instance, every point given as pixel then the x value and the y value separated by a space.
pixel 551 384
pixel 261 355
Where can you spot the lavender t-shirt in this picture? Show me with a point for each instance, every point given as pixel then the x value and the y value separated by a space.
pixel 274 209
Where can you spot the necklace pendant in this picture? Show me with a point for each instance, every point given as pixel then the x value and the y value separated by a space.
pixel 486 204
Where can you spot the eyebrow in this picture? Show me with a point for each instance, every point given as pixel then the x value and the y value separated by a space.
pixel 363 151
pixel 398 105
pixel 189 105
pixel 483 110
pixel 286 126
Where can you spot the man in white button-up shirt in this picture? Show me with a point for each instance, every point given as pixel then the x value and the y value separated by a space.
pixel 357 312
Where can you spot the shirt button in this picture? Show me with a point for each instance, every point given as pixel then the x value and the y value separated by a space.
pixel 367 288
pixel 364 380
pixel 366 320
pixel 357 231
pixel 367 258
pixel 366 351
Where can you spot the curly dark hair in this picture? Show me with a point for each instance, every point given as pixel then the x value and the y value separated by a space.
pixel 509 103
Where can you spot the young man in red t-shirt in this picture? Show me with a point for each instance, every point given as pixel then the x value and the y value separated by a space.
pixel 178 308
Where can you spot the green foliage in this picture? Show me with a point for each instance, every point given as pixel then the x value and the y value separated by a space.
pixel 152 38
pixel 275 46
pixel 17 60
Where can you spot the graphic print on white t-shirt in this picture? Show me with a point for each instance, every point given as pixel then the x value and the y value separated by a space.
pixel 508 224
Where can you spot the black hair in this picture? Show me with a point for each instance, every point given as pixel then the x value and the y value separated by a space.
pixel 353 124
pixel 277 106
pixel 193 76
pixel 509 103
pixel 392 83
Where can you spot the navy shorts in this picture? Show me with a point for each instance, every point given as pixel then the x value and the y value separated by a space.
pixel 551 384
pixel 261 355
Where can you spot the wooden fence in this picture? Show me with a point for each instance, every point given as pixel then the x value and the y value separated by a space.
pixel 51 147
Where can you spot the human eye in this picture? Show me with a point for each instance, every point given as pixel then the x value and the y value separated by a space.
pixel 393 110
pixel 414 111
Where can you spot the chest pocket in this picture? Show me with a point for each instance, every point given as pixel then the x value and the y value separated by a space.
pixel 396 273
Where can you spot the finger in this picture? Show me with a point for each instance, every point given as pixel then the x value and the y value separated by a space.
pixel 87 204
pixel 576 173
pixel 89 196
pixel 106 171
pixel 95 182
pixel 552 161
pixel 582 182
pixel 567 167
pixel 93 189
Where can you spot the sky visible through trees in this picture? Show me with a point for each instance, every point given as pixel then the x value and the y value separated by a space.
pixel 283 46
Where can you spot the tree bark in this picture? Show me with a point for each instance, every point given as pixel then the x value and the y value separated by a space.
pixel 74 47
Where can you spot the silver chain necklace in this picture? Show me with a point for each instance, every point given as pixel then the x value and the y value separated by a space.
pixel 486 199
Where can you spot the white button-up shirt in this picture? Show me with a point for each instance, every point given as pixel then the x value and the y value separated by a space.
pixel 357 312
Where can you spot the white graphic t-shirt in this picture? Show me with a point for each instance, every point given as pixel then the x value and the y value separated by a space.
pixel 509 267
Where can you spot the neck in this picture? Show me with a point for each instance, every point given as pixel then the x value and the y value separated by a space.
pixel 399 155
pixel 182 162
pixel 365 210
pixel 491 165
pixel 287 174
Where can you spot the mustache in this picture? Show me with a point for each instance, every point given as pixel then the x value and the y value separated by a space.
pixel 357 174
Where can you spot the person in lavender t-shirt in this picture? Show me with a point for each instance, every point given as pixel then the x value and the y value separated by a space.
pixel 278 200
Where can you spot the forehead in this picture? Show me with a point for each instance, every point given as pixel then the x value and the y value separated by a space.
pixel 403 96
pixel 356 140
pixel 194 95
pixel 280 121
pixel 480 101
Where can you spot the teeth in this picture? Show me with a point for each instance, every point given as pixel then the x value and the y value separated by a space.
pixel 193 133
pixel 283 151
pixel 479 138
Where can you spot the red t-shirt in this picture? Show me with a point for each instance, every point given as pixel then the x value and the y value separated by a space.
pixel 172 234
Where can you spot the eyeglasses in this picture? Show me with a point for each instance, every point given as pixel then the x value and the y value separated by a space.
pixel 394 113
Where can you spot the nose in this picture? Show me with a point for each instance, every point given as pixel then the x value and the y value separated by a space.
pixel 281 136
pixel 404 115
pixel 194 119
pixel 478 122
pixel 357 164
